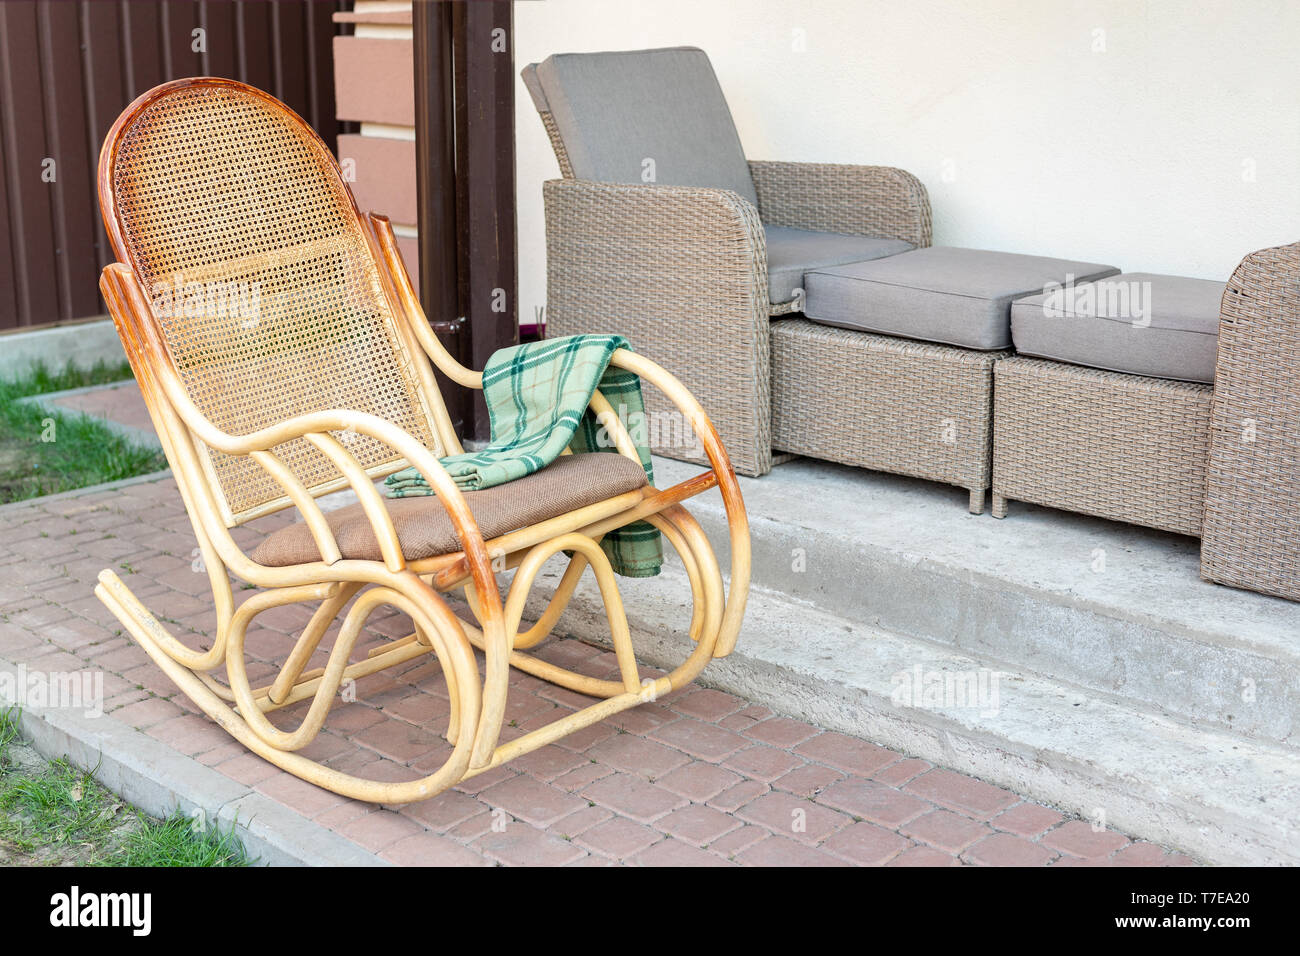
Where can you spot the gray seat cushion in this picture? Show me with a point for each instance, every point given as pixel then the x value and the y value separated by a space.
pixel 939 294
pixel 792 252
pixel 1138 322
pixel 614 111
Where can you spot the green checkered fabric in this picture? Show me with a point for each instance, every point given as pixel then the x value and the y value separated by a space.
pixel 537 396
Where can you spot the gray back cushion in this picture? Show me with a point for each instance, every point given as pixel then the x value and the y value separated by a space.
pixel 616 110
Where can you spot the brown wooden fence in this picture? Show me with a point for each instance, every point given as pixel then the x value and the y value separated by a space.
pixel 67 69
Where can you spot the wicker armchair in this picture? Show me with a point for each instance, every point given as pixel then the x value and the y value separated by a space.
pixel 682 267
pixel 326 383
pixel 1251 535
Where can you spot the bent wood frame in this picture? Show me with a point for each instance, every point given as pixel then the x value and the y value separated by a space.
pixel 354 588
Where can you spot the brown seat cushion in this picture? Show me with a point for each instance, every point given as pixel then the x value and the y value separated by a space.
pixel 425 529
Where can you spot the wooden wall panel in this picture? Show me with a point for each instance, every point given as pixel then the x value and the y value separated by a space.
pixel 222 55
pixel 385 175
pixel 8 281
pixel 257 51
pixel 69 141
pixel 67 69
pixel 31 200
pixel 375 80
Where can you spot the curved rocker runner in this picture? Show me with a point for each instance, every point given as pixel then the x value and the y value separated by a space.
pixel 310 370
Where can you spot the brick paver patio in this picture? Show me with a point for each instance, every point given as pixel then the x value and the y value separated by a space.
pixel 120 403
pixel 699 778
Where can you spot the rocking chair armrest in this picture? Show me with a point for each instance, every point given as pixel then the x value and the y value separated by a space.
pixel 879 201
pixel 316 427
pixel 732 500
pixel 417 321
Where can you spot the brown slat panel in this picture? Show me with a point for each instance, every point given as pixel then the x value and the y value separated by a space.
pixel 31 206
pixel 8 276
pixel 142 33
pixel 66 72
pixel 374 80
pixel 320 68
pixel 386 17
pixel 179 19
pixel 256 54
pixel 289 25
pixel 222 57
pixel 68 135
pixel 106 91
pixel 385 175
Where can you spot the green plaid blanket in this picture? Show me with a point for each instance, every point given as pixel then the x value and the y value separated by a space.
pixel 537 396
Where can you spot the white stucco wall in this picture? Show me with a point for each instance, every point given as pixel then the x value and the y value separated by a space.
pixel 1156 135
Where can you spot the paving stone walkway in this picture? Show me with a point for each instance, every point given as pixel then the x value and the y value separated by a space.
pixel 120 403
pixel 698 778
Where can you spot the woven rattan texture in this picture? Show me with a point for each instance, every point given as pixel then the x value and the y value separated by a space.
pixel 890 404
pixel 854 200
pixel 682 273
pixel 1252 509
pixel 262 281
pixel 557 144
pixel 1117 446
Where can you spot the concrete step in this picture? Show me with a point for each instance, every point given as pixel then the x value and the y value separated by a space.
pixel 1206 791
pixel 1100 605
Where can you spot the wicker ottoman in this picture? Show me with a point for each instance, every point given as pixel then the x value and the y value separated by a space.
pixel 894 371
pixel 1111 416
pixel 1119 446
pixel 890 404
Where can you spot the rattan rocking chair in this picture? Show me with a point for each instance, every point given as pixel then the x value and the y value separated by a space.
pixel 207 184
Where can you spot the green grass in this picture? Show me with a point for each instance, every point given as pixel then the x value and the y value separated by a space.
pixel 41 379
pixel 8 731
pixel 57 808
pixel 175 842
pixel 52 814
pixel 44 452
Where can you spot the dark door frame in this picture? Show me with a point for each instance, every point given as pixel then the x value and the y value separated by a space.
pixel 465 185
